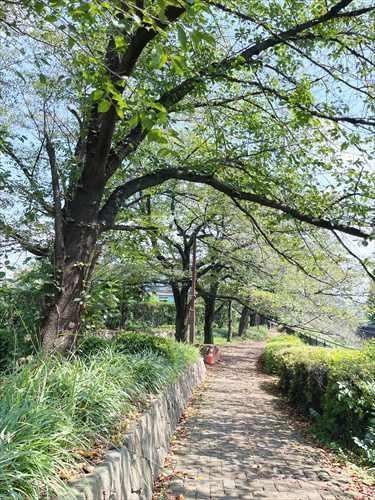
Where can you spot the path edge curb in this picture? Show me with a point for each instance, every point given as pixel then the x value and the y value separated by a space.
pixel 128 473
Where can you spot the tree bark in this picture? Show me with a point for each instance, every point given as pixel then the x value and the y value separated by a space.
pixel 209 312
pixel 80 232
pixel 244 321
pixel 257 319
pixel 181 300
pixel 252 319
pixel 193 293
pixel 229 338
pixel 63 317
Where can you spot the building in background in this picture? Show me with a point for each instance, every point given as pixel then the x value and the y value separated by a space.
pixel 163 293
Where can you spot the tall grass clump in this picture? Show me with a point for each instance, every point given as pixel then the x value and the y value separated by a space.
pixel 334 386
pixel 52 409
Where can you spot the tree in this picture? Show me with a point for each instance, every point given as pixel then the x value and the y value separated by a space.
pixel 182 217
pixel 244 320
pixel 102 90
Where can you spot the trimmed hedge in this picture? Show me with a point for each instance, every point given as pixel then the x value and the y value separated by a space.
pixel 334 386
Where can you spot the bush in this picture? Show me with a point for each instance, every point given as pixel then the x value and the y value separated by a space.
pixel 49 408
pixel 21 306
pixel 133 343
pixel 93 344
pixel 178 354
pixel 255 333
pixel 335 386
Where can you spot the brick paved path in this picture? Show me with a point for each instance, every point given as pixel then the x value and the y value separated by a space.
pixel 239 444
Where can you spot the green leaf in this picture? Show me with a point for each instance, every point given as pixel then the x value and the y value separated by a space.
pixel 178 65
pixel 157 135
pixel 119 112
pixel 104 106
pixel 182 37
pixel 97 94
pixel 120 43
pixel 159 57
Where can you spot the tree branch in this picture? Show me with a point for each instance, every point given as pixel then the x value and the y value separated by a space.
pixel 369 273
pixel 124 227
pixel 8 150
pixel 172 97
pixel 110 209
pixel 59 221
pixel 23 240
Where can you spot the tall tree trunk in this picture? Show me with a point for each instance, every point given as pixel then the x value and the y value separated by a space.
pixel 257 319
pixel 244 321
pixel 209 312
pixel 229 337
pixel 252 319
pixel 192 332
pixel 181 300
pixel 80 232
pixel 63 318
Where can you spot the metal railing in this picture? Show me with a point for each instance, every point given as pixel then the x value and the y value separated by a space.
pixel 317 339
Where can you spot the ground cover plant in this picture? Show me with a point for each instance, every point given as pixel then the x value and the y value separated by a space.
pixel 335 386
pixel 54 411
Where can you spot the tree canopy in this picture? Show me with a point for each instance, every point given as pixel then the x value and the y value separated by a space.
pixel 269 103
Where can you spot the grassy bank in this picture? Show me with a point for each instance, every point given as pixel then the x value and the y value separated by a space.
pixel 55 412
pixel 336 387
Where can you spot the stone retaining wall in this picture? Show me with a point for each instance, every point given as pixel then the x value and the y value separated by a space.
pixel 129 472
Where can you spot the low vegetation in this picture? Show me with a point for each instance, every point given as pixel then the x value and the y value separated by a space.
pixel 55 412
pixel 256 333
pixel 336 387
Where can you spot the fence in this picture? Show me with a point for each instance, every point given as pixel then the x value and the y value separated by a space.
pixel 316 339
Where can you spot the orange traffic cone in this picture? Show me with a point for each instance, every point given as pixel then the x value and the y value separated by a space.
pixel 210 360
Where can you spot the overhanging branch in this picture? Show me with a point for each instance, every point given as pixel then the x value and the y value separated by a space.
pixel 23 240
pixel 122 193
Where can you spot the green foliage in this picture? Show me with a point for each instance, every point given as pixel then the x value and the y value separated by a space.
pixel 176 353
pixel 152 314
pixel 369 349
pixel 137 342
pixel 256 333
pixel 93 344
pixel 277 345
pixel 21 309
pixel 371 304
pixel 49 408
pixel 335 386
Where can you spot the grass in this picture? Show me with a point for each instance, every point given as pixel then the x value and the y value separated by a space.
pixel 52 410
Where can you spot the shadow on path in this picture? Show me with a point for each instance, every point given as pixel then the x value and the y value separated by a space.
pixel 240 444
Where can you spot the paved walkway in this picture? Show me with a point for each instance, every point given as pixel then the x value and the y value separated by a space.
pixel 239 443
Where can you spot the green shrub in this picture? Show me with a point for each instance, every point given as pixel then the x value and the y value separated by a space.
pixel 92 344
pixel 335 386
pixel 21 307
pixel 369 349
pixel 277 345
pixel 134 343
